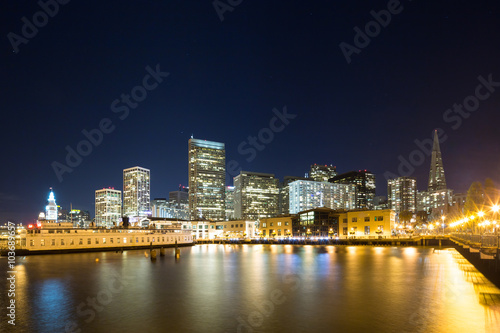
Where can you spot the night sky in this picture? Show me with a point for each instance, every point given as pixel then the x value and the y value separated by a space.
pixel 226 77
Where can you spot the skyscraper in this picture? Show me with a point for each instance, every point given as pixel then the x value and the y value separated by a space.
pixel 51 208
pixel 229 203
pixel 437 199
pixel 402 194
pixel 321 173
pixel 365 186
pixel 136 192
pixel 437 180
pixel 108 207
pixel 207 178
pixel 256 195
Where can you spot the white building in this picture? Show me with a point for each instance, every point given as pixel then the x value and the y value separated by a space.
pixel 307 194
pixel 51 208
pixel 108 207
pixel 136 192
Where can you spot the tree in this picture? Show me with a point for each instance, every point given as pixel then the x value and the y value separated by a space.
pixel 490 192
pixel 475 199
pixel 405 216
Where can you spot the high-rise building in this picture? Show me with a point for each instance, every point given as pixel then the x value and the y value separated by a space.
pixel 207 178
pixel 308 194
pixel 161 207
pixel 255 195
pixel 321 173
pixel 402 193
pixel 437 199
pixel 365 186
pixel 108 207
pixel 51 208
pixel 437 180
pixel 284 199
pixel 80 218
pixel 136 192
pixel 179 197
pixel 229 197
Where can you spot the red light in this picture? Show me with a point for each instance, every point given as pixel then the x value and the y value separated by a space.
pixel 30 226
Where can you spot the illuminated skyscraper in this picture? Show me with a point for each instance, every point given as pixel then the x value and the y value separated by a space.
pixel 255 195
pixel 321 173
pixel 365 186
pixel 402 194
pixel 136 192
pixel 51 208
pixel 207 179
pixel 230 203
pixel 108 207
pixel 437 180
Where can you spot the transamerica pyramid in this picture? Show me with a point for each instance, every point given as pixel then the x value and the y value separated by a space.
pixel 437 181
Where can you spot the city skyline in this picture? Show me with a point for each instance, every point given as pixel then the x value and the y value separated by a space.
pixel 274 85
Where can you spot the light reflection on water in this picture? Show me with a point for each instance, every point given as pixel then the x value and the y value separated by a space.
pixel 264 288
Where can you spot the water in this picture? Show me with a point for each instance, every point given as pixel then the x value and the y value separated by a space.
pixel 252 288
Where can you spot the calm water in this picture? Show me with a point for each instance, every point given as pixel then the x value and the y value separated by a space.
pixel 245 288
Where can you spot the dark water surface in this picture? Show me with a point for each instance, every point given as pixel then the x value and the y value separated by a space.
pixel 252 288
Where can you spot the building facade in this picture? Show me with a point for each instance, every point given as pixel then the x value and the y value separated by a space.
pixel 368 223
pixel 284 198
pixel 317 222
pixel 136 192
pixel 402 194
pixel 277 227
pixel 323 222
pixel 207 178
pixel 256 195
pixel 364 182
pixel 108 207
pixel 308 194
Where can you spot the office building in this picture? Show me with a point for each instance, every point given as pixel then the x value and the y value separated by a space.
pixel 108 207
pixel 321 173
pixel 364 182
pixel 207 178
pixel 256 195
pixel 229 197
pixel 402 193
pixel 136 192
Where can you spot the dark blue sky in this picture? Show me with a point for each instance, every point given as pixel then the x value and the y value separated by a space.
pixel 225 79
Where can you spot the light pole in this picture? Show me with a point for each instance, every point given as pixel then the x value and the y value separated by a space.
pixel 442 218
